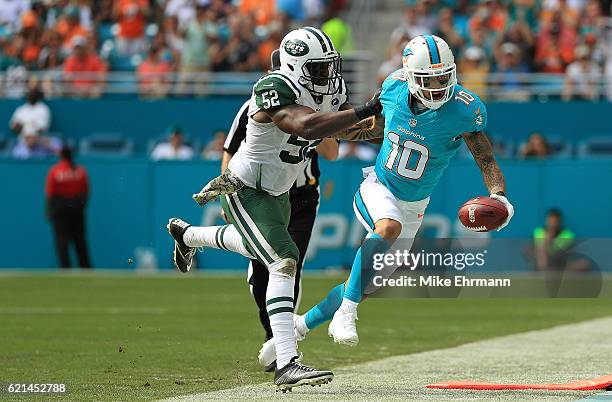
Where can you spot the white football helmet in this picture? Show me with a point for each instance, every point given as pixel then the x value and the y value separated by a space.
pixel 429 67
pixel 309 55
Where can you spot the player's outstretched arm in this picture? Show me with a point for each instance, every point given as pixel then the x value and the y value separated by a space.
pixel 494 179
pixel 308 124
pixel 482 150
pixel 370 128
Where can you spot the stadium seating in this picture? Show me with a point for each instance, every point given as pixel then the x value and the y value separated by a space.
pixel 595 147
pixel 106 144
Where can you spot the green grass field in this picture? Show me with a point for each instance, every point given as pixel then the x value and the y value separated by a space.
pixel 130 337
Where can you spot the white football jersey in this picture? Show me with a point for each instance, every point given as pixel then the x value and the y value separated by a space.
pixel 271 159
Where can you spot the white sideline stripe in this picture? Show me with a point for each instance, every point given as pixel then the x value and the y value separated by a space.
pixel 555 355
pixel 76 310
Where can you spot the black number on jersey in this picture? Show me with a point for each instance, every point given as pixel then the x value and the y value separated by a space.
pixel 304 145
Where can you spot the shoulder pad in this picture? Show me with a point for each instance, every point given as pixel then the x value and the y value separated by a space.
pixel 275 90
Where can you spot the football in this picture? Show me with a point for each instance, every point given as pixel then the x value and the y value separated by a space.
pixel 482 214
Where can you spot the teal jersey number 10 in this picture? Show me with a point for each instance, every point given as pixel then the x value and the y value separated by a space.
pixel 399 157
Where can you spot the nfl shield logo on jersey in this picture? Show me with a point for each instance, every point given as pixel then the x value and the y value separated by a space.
pixel 412 122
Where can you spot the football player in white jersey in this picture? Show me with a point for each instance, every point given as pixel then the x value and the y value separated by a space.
pixel 291 110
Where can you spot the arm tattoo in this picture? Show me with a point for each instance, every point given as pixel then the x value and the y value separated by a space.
pixel 482 150
pixel 367 129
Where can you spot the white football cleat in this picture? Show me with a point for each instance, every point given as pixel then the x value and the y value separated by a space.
pixel 342 327
pixel 267 353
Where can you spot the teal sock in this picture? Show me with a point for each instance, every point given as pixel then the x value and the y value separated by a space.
pixel 324 311
pixel 359 280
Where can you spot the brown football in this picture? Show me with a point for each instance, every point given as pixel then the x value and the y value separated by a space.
pixel 483 214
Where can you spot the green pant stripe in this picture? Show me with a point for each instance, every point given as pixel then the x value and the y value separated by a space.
pixel 252 225
pixel 232 216
pixel 279 299
pixel 280 310
pixel 221 232
pixel 247 232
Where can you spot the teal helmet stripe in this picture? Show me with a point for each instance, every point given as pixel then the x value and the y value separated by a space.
pixel 434 54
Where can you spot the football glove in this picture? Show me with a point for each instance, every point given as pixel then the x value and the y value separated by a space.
pixel 509 207
pixel 227 183
pixel 370 108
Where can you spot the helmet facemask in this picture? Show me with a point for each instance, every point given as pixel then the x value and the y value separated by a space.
pixel 322 76
pixel 433 88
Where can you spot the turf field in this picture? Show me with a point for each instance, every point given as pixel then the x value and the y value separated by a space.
pixel 131 337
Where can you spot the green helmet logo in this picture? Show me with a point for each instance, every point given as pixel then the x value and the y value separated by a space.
pixel 296 47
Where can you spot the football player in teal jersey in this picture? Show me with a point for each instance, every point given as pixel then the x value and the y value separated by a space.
pixel 427 116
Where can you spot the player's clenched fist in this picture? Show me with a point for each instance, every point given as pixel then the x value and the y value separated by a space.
pixel 372 107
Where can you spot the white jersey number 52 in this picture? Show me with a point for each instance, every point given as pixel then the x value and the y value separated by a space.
pixel 407 148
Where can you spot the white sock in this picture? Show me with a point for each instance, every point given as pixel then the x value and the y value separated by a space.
pixel 224 237
pixel 279 295
pixel 349 305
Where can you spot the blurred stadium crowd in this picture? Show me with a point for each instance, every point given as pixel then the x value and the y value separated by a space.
pixel 496 41
pixel 73 37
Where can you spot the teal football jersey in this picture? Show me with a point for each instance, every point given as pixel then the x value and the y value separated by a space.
pixel 417 148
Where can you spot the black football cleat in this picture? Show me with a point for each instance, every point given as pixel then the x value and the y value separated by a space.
pixel 183 254
pixel 296 374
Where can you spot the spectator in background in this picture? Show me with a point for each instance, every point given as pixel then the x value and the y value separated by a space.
pixel 521 36
pixel 30 37
pixel 174 148
pixel 182 11
pixel 555 44
pixel 480 37
pixel 340 34
pixel 510 66
pixel 272 42
pixel 489 15
pixel 84 70
pixel 262 10
pixel 411 26
pixel 195 56
pixel 34 114
pixel 552 244
pixel 582 77
pixel 33 145
pixel 70 28
pixel 67 191
pixel 213 151
pixel 240 51
pixel 447 30
pixel 10 13
pixel 474 69
pixel 173 37
pixel 131 16
pixel 536 147
pixel 153 75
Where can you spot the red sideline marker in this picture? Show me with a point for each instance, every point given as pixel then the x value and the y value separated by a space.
pixel 604 382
